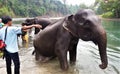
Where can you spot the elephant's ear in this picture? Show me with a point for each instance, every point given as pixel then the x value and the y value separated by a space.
pixel 70 18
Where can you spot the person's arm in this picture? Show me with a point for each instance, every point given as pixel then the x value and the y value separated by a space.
pixel 29 27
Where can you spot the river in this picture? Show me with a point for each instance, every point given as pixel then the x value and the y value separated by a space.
pixel 88 58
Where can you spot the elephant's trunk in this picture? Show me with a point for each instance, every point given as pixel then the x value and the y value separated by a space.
pixel 102 43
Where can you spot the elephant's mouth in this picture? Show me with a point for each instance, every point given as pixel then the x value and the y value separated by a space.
pixel 86 37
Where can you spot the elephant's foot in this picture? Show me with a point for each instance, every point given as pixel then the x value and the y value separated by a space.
pixel 44 59
pixel 64 67
pixel 103 66
pixel 73 55
pixel 72 62
pixel 36 58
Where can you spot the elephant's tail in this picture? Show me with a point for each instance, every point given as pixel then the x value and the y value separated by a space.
pixel 33 52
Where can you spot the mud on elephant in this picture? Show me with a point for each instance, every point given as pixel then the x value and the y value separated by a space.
pixel 61 37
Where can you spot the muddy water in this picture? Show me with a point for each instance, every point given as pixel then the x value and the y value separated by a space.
pixel 88 57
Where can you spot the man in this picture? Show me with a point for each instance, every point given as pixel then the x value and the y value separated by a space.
pixel 11 52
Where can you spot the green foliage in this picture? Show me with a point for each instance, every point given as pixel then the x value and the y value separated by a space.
pixel 32 8
pixel 108 15
pixel 5 11
pixel 83 6
pixel 73 8
pixel 111 6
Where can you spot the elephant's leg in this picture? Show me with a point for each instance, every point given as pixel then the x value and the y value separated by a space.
pixel 73 51
pixel 36 55
pixel 62 56
pixel 72 54
pixel 43 59
pixel 61 49
pixel 36 52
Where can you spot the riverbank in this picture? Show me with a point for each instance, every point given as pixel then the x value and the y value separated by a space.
pixel 111 19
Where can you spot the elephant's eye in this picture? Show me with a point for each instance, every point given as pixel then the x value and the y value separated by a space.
pixel 87 23
pixel 81 24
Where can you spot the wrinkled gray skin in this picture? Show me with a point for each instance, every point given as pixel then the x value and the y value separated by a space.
pixel 56 40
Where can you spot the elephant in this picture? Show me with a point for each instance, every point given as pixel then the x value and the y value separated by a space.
pixel 41 21
pixel 62 36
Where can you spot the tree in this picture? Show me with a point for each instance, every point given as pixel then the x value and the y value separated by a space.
pixel 111 6
pixel 34 8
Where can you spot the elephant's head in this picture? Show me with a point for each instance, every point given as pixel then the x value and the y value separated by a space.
pixel 41 21
pixel 87 26
pixel 30 21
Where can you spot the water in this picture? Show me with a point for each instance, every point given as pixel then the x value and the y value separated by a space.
pixel 88 57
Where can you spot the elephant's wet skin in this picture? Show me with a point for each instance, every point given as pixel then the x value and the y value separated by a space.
pixel 63 35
